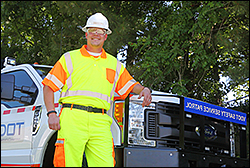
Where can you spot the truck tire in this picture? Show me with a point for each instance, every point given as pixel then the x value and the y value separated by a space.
pixel 49 153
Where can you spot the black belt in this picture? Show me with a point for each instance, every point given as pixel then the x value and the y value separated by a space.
pixel 86 108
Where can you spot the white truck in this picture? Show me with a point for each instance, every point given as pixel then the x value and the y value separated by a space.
pixel 173 131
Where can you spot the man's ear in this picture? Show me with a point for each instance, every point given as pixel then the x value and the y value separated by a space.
pixel 86 34
pixel 106 36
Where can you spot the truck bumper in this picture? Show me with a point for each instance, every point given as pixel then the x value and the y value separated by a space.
pixel 150 157
pixel 172 157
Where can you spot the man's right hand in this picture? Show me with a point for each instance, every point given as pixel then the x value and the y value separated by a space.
pixel 54 122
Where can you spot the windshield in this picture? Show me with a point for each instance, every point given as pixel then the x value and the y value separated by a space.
pixel 42 71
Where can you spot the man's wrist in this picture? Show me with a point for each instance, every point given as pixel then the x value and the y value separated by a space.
pixel 147 88
pixel 52 111
pixel 143 87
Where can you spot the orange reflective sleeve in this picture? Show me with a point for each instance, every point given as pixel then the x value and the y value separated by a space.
pixel 56 77
pixel 50 84
pixel 59 156
pixel 124 79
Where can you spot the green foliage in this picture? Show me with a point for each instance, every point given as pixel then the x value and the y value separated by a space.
pixel 41 31
pixel 192 43
pixel 26 28
pixel 178 47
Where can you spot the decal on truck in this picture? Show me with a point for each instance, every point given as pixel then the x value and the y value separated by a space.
pixel 210 110
pixel 12 131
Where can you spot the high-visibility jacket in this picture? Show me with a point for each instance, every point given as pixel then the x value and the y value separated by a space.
pixel 89 80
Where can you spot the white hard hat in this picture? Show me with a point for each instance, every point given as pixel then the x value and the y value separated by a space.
pixel 97 20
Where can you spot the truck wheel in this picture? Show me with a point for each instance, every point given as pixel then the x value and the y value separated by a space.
pixel 49 153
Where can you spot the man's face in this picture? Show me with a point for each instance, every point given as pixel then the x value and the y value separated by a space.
pixel 96 37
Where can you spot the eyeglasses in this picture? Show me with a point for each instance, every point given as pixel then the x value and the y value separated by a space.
pixel 95 30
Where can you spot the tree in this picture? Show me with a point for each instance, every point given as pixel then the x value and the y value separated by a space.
pixel 180 47
pixel 41 31
pixel 190 45
pixel 27 30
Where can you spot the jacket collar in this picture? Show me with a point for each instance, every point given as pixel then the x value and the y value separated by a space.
pixel 85 53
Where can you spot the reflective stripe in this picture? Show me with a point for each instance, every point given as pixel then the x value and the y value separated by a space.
pixel 70 69
pixel 6 112
pixel 20 110
pixel 54 79
pixel 59 155
pixel 126 87
pixel 118 69
pixel 86 93
pixel 80 92
pixel 60 141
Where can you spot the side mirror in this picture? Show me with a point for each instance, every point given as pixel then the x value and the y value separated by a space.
pixel 27 99
pixel 7 86
pixel 29 90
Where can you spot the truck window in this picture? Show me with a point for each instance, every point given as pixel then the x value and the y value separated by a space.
pixel 21 79
pixel 42 71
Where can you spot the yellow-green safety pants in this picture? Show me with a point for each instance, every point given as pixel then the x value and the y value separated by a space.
pixel 84 131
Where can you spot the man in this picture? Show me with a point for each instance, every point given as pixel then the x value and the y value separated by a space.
pixel 88 78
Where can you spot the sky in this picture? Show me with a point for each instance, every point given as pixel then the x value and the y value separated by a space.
pixel 230 94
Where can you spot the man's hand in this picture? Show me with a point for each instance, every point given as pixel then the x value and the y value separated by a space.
pixel 53 119
pixel 53 122
pixel 147 96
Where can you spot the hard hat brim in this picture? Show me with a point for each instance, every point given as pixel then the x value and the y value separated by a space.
pixel 85 29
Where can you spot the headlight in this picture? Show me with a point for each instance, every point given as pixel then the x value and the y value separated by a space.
pixel 136 124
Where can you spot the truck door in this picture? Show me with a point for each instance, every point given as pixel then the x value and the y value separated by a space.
pixel 17 112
